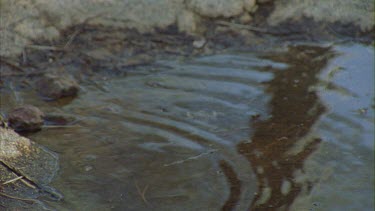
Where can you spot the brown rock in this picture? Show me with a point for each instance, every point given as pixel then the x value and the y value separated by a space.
pixel 26 118
pixel 54 86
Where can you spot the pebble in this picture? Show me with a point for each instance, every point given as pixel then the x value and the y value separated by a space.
pixel 199 43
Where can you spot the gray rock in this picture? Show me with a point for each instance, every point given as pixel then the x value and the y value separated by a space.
pixel 26 118
pixel 54 86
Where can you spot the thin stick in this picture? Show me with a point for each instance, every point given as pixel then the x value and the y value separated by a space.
pixel 142 193
pixel 60 126
pixel 16 74
pixel 11 64
pixel 45 47
pixel 241 26
pixel 13 180
pixel 191 158
pixel 17 198
pixel 67 44
pixel 25 182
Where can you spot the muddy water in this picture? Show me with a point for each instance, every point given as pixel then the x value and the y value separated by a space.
pixel 291 129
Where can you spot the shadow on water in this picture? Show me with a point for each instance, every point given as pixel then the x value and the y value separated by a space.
pixel 294 110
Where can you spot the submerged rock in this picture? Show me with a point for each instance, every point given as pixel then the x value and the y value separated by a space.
pixel 26 118
pixel 54 86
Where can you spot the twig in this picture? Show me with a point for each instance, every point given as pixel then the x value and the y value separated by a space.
pixel 11 64
pixel 142 193
pixel 18 198
pixel 25 182
pixel 255 29
pixel 13 180
pixel 75 33
pixel 190 158
pixel 17 74
pixel 44 47
pixel 60 126
pixel 241 26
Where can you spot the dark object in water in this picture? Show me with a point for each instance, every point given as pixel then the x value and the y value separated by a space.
pixel 26 118
pixel 53 86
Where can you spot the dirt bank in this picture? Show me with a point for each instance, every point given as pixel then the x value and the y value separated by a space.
pixel 24 23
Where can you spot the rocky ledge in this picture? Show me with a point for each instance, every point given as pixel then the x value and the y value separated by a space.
pixel 26 169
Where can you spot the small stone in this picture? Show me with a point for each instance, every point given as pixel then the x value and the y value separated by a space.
pixel 88 168
pixel 26 118
pixel 245 18
pixel 199 43
pixel 55 86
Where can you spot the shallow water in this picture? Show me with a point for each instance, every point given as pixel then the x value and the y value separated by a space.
pixel 292 129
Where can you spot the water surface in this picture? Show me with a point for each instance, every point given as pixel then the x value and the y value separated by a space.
pixel 291 129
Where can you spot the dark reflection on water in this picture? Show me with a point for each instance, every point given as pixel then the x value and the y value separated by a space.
pixel 294 110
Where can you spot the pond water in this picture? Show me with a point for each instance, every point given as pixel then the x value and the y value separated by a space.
pixel 290 129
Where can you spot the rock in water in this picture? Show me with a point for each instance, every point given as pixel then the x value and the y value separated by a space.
pixel 26 118
pixel 53 86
